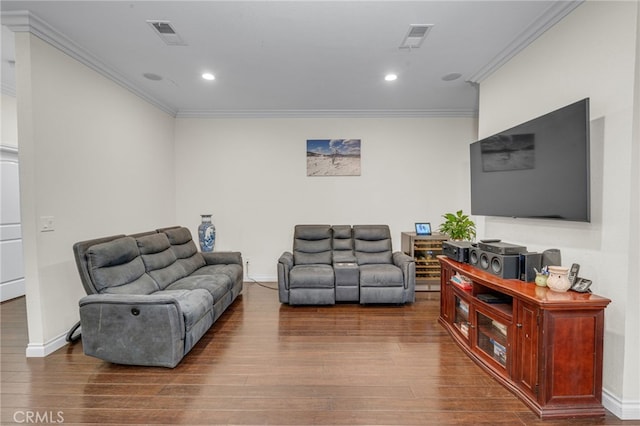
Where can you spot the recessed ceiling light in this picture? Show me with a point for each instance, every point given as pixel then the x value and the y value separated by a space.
pixel 208 76
pixel 390 77
pixel 451 76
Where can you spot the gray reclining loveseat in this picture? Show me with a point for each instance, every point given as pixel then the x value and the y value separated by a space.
pixel 152 296
pixel 341 263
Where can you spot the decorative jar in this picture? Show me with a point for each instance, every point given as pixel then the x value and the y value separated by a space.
pixel 558 278
pixel 541 279
pixel 206 233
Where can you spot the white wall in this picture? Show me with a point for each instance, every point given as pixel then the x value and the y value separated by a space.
pixel 251 175
pixel 95 157
pixel 591 53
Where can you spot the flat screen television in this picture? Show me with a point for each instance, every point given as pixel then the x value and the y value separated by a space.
pixel 538 169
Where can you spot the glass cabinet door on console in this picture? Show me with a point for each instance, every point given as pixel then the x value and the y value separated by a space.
pixel 461 316
pixel 492 338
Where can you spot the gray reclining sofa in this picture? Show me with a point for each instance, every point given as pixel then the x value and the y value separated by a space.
pixel 152 296
pixel 341 263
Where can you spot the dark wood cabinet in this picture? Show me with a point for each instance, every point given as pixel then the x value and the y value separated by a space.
pixel 544 346
pixel 525 371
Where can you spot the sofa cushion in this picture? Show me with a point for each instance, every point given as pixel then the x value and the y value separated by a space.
pixel 311 276
pixel 113 253
pixel 233 271
pixel 372 244
pixel 312 253
pixel 194 304
pixel 184 248
pixel 343 244
pixel 371 232
pixel 312 244
pixel 372 252
pixel 381 275
pixel 342 232
pixel 142 285
pixel 178 235
pixel 155 251
pixel 116 267
pixel 159 260
pixel 216 285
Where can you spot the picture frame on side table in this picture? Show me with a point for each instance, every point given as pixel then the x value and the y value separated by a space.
pixel 423 228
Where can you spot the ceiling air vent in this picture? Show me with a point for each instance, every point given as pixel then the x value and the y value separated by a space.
pixel 415 36
pixel 167 33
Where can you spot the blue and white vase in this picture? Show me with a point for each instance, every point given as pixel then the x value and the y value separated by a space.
pixel 206 233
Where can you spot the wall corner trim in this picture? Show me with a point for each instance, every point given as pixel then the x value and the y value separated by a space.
pixel 40 350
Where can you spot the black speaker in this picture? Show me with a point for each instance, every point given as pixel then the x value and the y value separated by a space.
pixel 529 261
pixel 485 260
pixel 551 257
pixel 503 266
pixel 474 256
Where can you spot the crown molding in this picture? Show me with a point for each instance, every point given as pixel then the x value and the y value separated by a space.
pixel 24 21
pixel 351 113
pixel 546 20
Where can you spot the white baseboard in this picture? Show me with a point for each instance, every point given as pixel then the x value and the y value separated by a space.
pixel 12 289
pixel 39 350
pixel 262 278
pixel 624 410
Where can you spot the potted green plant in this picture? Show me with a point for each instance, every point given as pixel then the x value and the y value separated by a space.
pixel 458 226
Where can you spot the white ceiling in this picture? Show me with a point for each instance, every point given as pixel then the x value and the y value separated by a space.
pixel 283 58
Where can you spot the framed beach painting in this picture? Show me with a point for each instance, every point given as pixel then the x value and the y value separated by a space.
pixel 333 157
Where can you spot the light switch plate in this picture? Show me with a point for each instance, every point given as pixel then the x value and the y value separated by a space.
pixel 46 224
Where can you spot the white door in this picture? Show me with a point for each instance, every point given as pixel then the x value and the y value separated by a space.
pixel 12 267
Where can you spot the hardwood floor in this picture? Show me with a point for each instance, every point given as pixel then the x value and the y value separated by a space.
pixel 266 363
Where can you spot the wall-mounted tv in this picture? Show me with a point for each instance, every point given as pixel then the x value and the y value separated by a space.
pixel 538 169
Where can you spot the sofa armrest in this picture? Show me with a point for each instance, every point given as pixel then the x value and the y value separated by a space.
pixel 400 259
pixel 407 264
pixel 133 329
pixel 159 298
pixel 285 263
pixel 222 257
pixel 287 260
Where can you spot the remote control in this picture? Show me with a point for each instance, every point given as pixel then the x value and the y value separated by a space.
pixel 573 273
pixel 490 241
